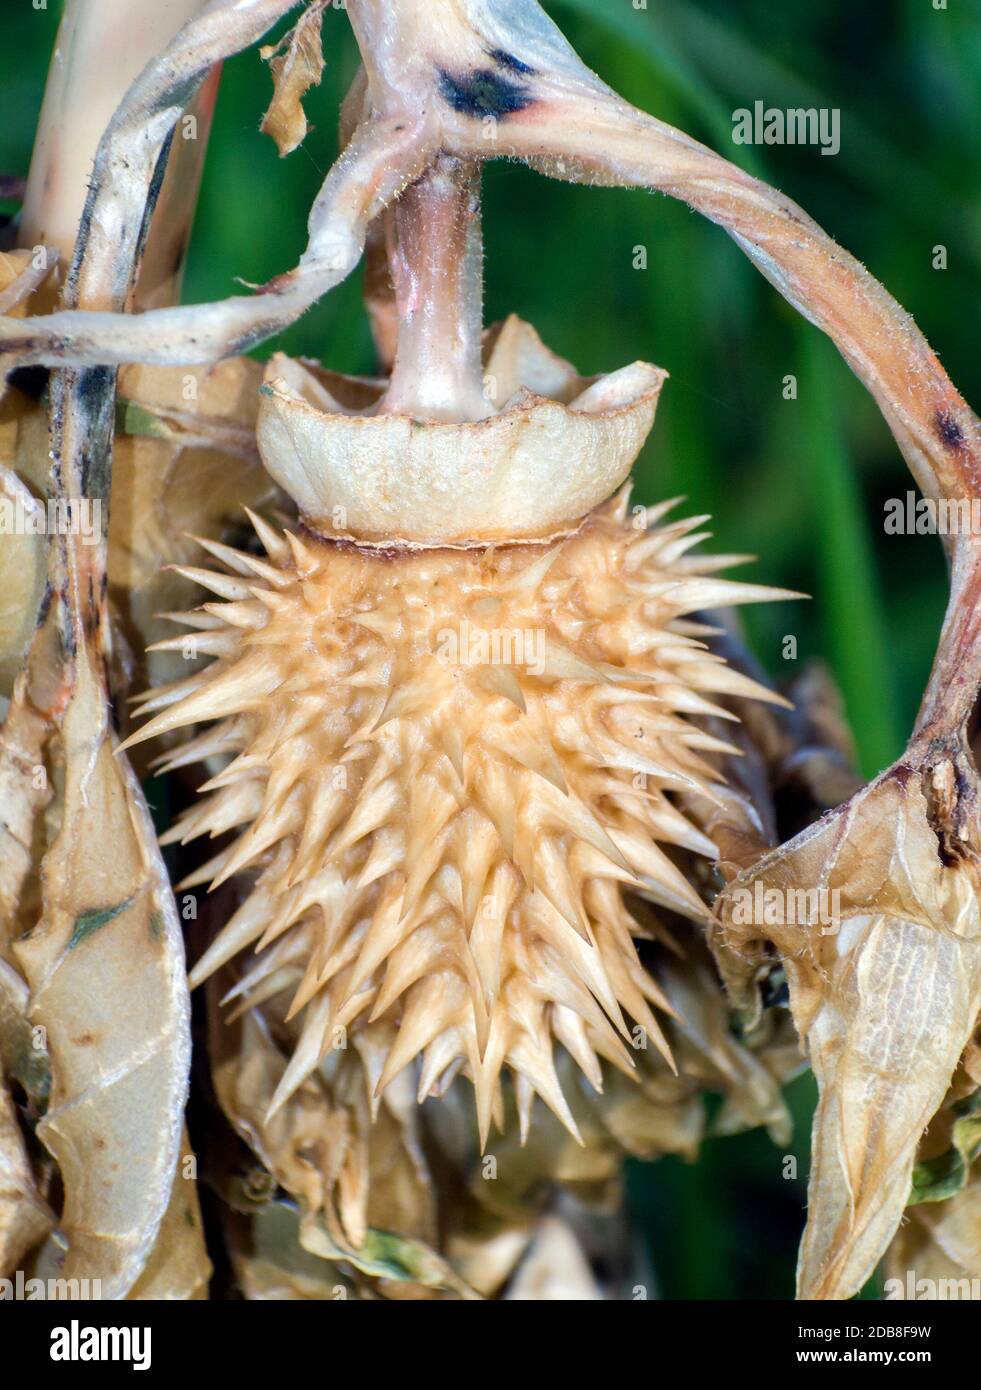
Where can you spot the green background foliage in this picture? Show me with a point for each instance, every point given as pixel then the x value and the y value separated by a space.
pixel 799 483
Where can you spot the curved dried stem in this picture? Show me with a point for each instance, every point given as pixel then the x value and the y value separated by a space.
pixel 376 167
pixel 124 178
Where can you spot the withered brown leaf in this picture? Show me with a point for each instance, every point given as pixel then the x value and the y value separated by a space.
pixel 296 64
pixel 105 967
pixel 885 990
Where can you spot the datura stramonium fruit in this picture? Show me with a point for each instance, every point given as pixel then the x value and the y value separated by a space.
pixel 450 752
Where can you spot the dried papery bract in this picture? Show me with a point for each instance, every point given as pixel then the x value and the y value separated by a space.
pixel 357 463
pixel 885 996
pixel 25 1220
pixel 356 1168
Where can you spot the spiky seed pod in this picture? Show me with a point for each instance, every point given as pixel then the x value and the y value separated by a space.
pixel 449 765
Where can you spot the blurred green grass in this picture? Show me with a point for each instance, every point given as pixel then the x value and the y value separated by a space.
pixel 800 483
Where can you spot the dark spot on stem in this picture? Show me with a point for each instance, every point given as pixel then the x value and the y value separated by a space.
pixel 153 192
pixel 505 59
pixel 93 396
pixel 483 93
pixel 91 385
pixel 45 604
pixel 948 430
pixel 68 640
pixel 257 333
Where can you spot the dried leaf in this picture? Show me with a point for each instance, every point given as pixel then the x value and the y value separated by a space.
pixel 178 1267
pixel 24 1217
pixel 295 1144
pixel 296 64
pixel 24 794
pixel 486 1255
pixel 113 1000
pixel 322 1145
pixel 796 761
pixel 709 1051
pixel 885 991
pixel 385 1255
